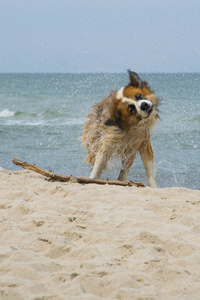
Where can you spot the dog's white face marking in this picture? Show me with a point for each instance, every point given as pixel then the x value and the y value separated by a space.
pixel 131 101
pixel 143 106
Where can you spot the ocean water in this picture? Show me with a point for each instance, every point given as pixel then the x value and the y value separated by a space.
pixel 41 119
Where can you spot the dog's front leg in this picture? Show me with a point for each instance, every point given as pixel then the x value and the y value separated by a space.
pixel 126 164
pixel 99 166
pixel 147 156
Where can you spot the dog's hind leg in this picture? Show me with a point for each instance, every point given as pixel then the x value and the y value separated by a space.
pixel 99 165
pixel 126 164
pixel 147 156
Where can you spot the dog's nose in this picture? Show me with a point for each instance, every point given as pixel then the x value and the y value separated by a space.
pixel 145 106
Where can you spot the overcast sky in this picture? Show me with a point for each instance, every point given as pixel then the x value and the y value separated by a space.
pixel 99 35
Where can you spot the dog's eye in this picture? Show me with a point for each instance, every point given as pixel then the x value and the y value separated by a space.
pixel 132 108
pixel 138 97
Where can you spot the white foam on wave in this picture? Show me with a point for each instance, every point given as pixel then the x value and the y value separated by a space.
pixel 25 123
pixel 75 122
pixel 6 113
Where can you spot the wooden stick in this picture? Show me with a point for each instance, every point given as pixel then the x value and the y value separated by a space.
pixel 65 178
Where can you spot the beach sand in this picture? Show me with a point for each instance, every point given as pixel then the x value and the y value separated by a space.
pixel 72 241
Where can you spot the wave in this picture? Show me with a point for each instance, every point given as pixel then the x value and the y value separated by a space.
pixel 42 118
pixel 38 123
pixel 6 113
pixel 47 114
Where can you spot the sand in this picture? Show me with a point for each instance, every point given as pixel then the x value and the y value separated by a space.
pixel 71 241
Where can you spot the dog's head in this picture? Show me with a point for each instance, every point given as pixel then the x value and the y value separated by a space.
pixel 134 104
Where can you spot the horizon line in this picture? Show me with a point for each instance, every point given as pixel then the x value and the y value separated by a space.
pixel 14 72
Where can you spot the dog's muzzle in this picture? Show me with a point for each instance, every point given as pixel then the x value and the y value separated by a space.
pixel 146 106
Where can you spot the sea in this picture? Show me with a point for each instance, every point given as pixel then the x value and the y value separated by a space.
pixel 42 115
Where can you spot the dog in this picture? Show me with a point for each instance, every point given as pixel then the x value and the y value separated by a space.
pixel 120 126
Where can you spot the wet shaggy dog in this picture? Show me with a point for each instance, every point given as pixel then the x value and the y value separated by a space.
pixel 120 126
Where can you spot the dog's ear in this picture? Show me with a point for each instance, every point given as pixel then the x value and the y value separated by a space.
pixel 110 122
pixel 115 119
pixel 135 80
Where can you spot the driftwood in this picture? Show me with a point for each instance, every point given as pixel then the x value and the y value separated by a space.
pixel 64 178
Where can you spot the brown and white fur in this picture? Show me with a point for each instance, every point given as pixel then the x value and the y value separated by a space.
pixel 120 126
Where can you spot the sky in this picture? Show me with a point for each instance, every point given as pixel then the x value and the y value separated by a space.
pixel 74 36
